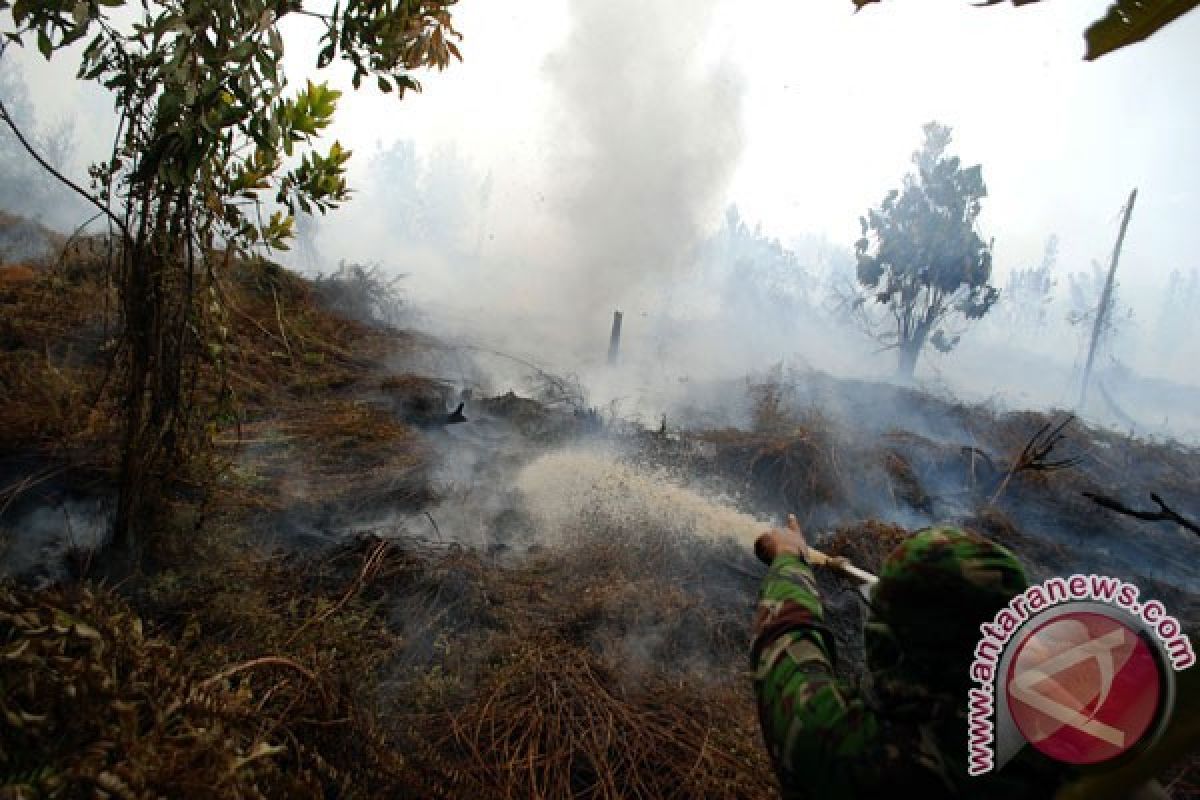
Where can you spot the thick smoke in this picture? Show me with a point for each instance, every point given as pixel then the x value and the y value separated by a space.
pixel 650 135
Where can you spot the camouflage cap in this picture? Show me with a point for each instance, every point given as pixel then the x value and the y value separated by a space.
pixel 934 591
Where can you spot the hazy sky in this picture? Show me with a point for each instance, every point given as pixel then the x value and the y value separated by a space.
pixel 616 132
pixel 828 106
pixel 831 103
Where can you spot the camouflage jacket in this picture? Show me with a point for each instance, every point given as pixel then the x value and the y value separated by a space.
pixel 826 741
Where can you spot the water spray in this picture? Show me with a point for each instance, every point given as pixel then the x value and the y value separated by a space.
pixel 563 487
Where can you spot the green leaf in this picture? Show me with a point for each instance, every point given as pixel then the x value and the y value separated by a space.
pixel 44 44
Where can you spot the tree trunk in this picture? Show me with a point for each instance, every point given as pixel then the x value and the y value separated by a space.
pixel 151 294
pixel 1104 309
pixel 907 361
pixel 138 329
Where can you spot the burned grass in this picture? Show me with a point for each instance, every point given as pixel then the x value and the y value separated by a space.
pixel 599 669
pixel 285 376
pixel 553 721
pixel 610 665
pixel 330 457
pixel 97 704
pixel 263 676
pixel 982 464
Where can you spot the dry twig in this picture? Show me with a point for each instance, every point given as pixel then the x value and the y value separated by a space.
pixel 1035 455
pixel 1164 514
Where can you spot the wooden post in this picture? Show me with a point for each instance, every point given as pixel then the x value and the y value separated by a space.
pixel 614 340
pixel 1105 300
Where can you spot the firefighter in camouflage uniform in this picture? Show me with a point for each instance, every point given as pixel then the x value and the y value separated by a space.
pixel 903 733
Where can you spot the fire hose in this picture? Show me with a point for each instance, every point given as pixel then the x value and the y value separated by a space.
pixel 816 558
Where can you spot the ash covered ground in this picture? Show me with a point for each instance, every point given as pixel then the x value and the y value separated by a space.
pixel 438 569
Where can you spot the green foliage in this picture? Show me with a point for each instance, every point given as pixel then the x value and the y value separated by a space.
pixel 200 86
pixel 1126 21
pixel 208 136
pixel 920 254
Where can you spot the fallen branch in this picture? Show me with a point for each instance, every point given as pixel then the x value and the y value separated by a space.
pixel 1164 514
pixel 978 456
pixel 370 569
pixel 1035 455
pixel 265 661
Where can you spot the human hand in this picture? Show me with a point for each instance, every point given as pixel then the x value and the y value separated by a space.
pixel 776 542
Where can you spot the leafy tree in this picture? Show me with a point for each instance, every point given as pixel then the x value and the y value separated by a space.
pixel 1126 21
pixel 1084 291
pixel 1177 317
pixel 1027 296
pixel 212 159
pixel 427 200
pixel 920 255
pixel 762 276
pixel 24 187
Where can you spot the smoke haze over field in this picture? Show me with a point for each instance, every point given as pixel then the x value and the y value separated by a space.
pixel 583 157
pixel 649 140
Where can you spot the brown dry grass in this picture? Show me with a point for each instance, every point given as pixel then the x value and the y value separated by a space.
pixel 797 469
pixel 867 544
pixel 588 681
pixel 326 453
pixel 287 363
pixel 52 341
pixel 287 345
pixel 554 721
pixel 243 675
pixel 95 706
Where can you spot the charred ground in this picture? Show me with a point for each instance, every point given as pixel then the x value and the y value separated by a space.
pixel 347 598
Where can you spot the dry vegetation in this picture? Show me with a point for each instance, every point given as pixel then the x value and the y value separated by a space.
pixel 592 676
pixel 608 667
pixel 375 669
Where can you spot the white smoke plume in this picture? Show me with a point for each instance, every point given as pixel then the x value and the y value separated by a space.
pixel 650 135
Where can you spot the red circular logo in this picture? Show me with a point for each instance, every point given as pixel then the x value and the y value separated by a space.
pixel 1084 688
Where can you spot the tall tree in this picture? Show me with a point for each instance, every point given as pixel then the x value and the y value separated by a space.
pixel 762 277
pixel 1177 316
pixel 1027 296
pixel 212 159
pixel 1104 310
pixel 25 188
pixel 921 256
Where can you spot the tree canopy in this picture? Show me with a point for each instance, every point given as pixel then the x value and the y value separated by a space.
pixel 921 256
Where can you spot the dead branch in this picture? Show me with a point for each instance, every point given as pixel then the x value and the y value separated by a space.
pixel 1164 514
pixel 8 120
pixel 975 456
pixel 1035 455
pixel 370 569
pixel 255 663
